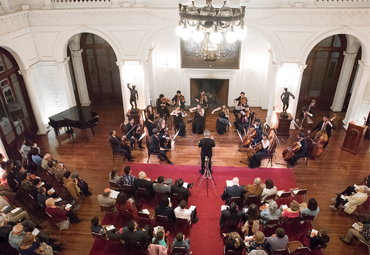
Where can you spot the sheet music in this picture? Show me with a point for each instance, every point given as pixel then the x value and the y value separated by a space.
pixel 280 192
pixel 192 207
pixel 58 199
pixel 52 190
pixel 224 207
pixel 145 211
pixel 110 227
pixel 35 232
pixel 68 206
pixel 185 185
pixel 114 194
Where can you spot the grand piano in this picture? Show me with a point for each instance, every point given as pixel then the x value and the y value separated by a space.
pixel 76 117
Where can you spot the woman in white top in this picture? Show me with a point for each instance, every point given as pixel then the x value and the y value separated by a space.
pixel 114 177
pixel 255 160
pixel 268 190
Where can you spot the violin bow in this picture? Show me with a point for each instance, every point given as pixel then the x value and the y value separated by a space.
pixel 131 130
pixel 176 135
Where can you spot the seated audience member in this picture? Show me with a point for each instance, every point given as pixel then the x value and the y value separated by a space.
pixel 127 178
pixel 20 172
pixel 278 241
pixel 233 191
pixel 182 213
pixel 162 185
pixel 60 214
pixel 258 242
pixel 71 185
pixel 320 238
pixel 59 171
pixel 253 189
pixel 132 234
pixel 311 208
pixel 114 177
pixel 36 184
pixel 180 242
pixel 46 159
pixel 43 196
pixel 165 209
pixel 122 204
pixel 292 211
pixel 97 228
pixel 26 149
pixel 231 214
pixel 9 217
pixel 36 157
pixel 234 242
pixel 268 190
pixel 144 182
pixel 179 189
pixel 160 238
pixel 251 219
pixel 10 177
pixel 5 190
pixel 51 167
pixel 351 202
pixel 106 201
pixel 270 213
pixel 27 183
pixel 362 233
pixel 30 246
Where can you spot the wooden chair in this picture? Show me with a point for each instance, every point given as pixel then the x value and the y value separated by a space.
pixel 237 200
pixel 176 199
pixel 269 228
pixel 294 222
pixel 271 197
pixel 299 192
pixel 183 225
pixel 308 218
pixel 147 142
pixel 280 252
pixel 59 225
pixel 285 196
pixel 129 190
pixel 272 149
pixel 141 192
pixel 146 218
pixel 106 209
pixel 115 186
pixel 252 199
pixel 322 248
pixel 358 243
pixel 116 153
pixel 98 236
pixel 230 226
pixel 179 251
pixel 162 220
pixel 125 215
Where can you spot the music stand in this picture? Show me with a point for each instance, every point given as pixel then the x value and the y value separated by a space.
pixel 208 176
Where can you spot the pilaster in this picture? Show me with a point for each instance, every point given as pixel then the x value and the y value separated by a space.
pixel 79 72
pixel 65 77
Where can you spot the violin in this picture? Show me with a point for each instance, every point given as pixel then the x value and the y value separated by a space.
pixel 288 153
pixel 182 99
pixel 244 100
pixel 320 139
pixel 165 101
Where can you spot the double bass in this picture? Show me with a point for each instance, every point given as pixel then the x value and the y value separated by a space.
pixel 307 118
pixel 320 139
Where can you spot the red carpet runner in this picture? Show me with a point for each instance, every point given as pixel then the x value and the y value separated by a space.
pixel 205 234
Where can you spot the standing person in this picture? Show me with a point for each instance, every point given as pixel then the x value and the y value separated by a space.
pixel 325 124
pixel 255 160
pixel 223 119
pixel 199 119
pixel 149 119
pixel 162 107
pixel 133 134
pixel 133 96
pixel 179 100
pixel 179 122
pixel 25 149
pixel 156 148
pixel 303 151
pixel 206 144
pixel 202 99
pixel 242 102
pixel 116 142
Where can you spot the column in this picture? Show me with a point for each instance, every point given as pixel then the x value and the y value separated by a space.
pixel 345 75
pixel 5 6
pixel 31 79
pixel 359 105
pixel 66 82
pixel 80 77
pixel 47 4
pixel 271 82
pixel 146 86
pixel 125 91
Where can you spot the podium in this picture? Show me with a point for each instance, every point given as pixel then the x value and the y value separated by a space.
pixel 354 136
pixel 283 124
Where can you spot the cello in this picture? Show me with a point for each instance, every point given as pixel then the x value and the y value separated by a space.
pixel 289 152
pixel 252 150
pixel 320 139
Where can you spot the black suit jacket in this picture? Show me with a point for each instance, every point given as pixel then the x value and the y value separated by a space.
pixel 148 185
pixel 155 144
pixel 206 144
pixel 140 236
pixel 182 104
pixel 166 211
pixel 181 191
pixel 259 131
pixel 233 191
pixel 227 215
pixel 115 142
pixel 128 128
pixel 328 128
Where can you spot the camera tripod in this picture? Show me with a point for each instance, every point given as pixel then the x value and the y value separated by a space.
pixel 208 176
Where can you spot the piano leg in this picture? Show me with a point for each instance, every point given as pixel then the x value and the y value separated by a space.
pixel 93 131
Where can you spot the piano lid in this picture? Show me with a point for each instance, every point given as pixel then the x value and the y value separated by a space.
pixel 82 113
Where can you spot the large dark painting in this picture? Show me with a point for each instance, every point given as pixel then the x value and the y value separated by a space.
pixel 189 60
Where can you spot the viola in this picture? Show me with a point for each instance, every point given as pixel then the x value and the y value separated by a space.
pixel 289 152
pixel 244 100
pixel 165 101
pixel 182 98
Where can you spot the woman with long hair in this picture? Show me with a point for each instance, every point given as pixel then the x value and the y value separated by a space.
pixel 223 119
pixel 123 205
pixel 149 119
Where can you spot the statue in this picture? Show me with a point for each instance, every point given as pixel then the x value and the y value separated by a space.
pixel 285 99
pixel 133 96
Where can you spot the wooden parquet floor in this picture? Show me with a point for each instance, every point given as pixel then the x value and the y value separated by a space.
pixel 332 172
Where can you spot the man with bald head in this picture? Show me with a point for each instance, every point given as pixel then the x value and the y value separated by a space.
pixel 106 201
pixel 253 189
pixel 233 191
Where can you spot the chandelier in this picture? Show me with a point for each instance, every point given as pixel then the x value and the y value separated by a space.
pixel 210 27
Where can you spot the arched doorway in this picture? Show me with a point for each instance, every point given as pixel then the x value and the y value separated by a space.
pixel 16 116
pixel 320 78
pixel 101 71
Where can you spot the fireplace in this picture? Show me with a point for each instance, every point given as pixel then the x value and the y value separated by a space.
pixel 217 91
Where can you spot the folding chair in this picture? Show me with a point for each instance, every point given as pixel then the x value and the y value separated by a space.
pixel 299 192
pixel 183 225
pixel 146 218
pixel 179 251
pixel 141 192
pixel 252 199
pixel 238 201
pixel 115 186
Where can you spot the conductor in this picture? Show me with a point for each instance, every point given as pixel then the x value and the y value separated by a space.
pixel 206 144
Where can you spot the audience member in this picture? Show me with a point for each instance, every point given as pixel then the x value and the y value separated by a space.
pixel 179 189
pixel 292 211
pixel 59 171
pixel 45 160
pixel 362 233
pixel 97 228
pixel 182 213
pixel 253 189
pixel 42 196
pixel 165 209
pixel 26 149
pixel 71 185
pixel 320 238
pixel 36 157
pixel 60 214
pixel 144 182
pixel 277 241
pixel 180 242
pixel 234 242
pixel 258 242
pixel 160 238
pixel 233 191
pixel 251 219
pixel 132 234
pixel 114 177
pixel 36 184
pixel 230 214
pixel 268 190
pixel 10 217
pixel 106 201
pixel 350 202
pixel 270 213
pixel 123 204
pixel 52 167
pixel 127 178
pixel 30 245
pixel 311 208
pixel 162 185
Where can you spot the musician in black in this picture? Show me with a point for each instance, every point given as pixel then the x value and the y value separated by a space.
pixel 133 96
pixel 117 147
pixel 242 104
pixel 304 113
pixel 302 153
pixel 149 119
pixel 179 122
pixel 179 100
pixel 133 135
pixel 202 100
pixel 206 144
pixel 156 147
pixel 199 119
pixel 325 124
pixel 164 139
pixel 259 129
pixel 162 107
pixel 246 121
pixel 223 119
pixel 255 160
